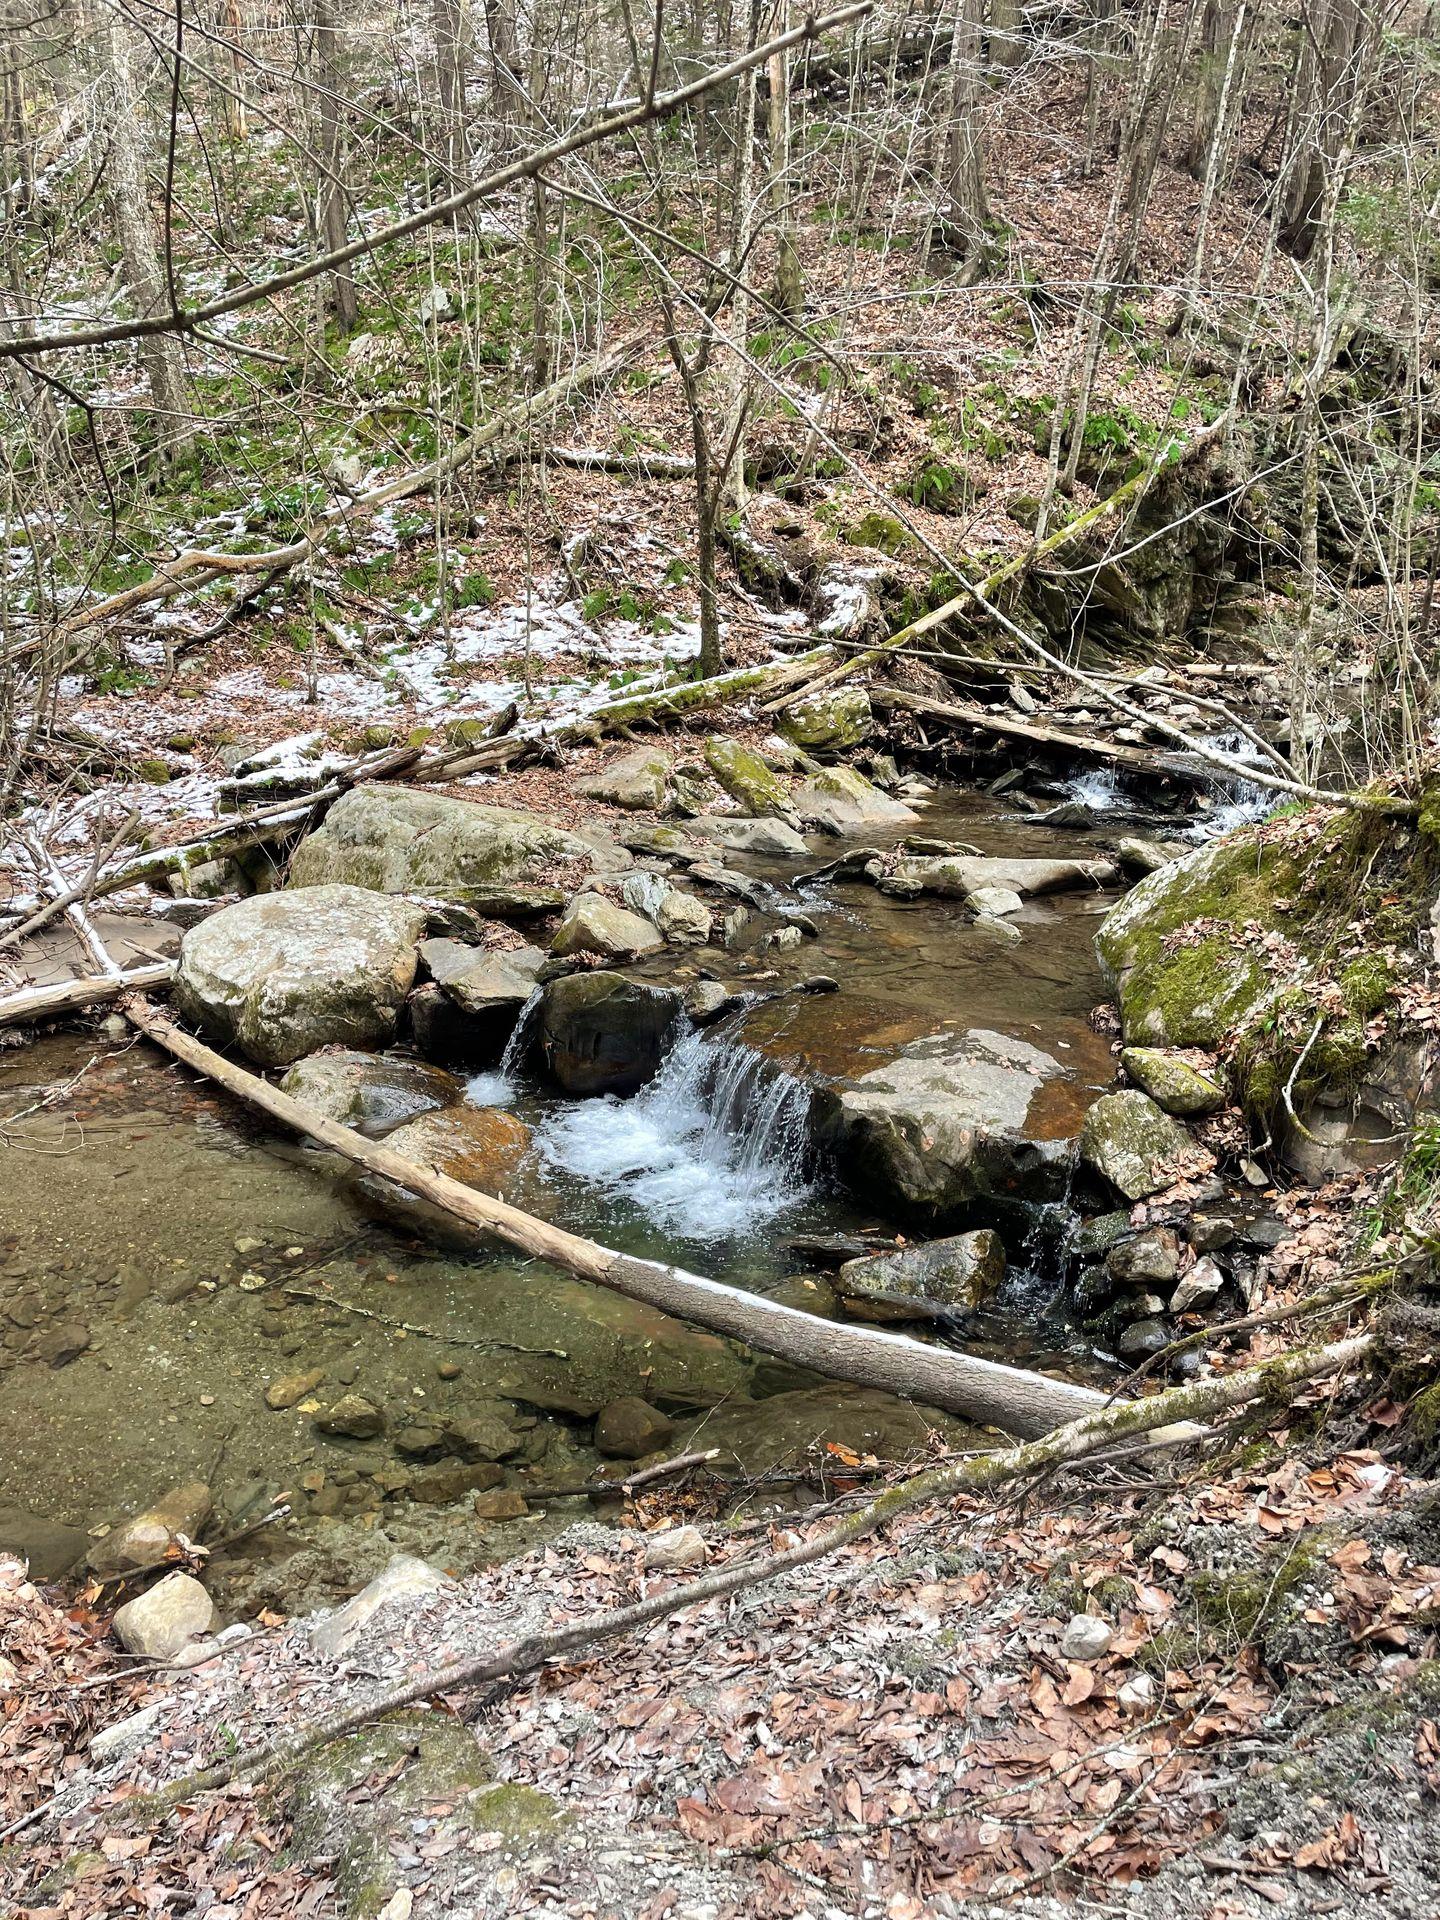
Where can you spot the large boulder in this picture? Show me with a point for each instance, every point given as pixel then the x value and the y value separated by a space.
pixel 467 1010
pixel 951 1120
pixel 374 1093
pixel 481 981
pixel 1138 1147
pixel 745 776
pixel 749 836
pixel 829 721
pixel 397 840
pixel 603 1033
pixel 594 924
pixel 1287 946
pixel 934 1281
pixel 637 781
pixel 843 801
pixel 682 919
pixel 284 974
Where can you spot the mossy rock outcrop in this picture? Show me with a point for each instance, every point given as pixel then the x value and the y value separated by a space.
pixel 830 721
pixel 397 840
pixel 1280 948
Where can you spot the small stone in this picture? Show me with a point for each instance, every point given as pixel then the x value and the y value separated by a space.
pixel 1086 1638
pixel 125 1737
pixel 1136 1695
pixel 1173 1082
pixel 58 1346
pixel 1208 1232
pixel 181 1512
pixel 1142 1339
pixel 629 1428
pixel 246 1243
pixel 406 1583
pixel 291 1388
pixel 449 1370
pixel 675 1549
pixel 1137 1147
pixel 353 1416
pixel 164 1621
pixel 346 1373
pixel 1198 1288
pixel 501 1503
pixel 1149 1259
pixel 252 1282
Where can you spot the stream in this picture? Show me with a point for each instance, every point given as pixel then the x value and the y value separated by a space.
pixel 164 1261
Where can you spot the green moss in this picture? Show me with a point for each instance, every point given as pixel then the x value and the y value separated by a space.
pixel 1236 1605
pixel 518 1812
pixel 878 530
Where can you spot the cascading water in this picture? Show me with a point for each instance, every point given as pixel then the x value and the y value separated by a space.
pixel 1239 801
pixel 497 1087
pixel 713 1148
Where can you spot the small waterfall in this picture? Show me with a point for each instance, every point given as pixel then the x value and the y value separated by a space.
pixel 716 1145
pixel 1238 801
pixel 497 1087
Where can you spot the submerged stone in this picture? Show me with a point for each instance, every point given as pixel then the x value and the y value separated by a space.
pixel 629 1428
pixel 795 1429
pixel 374 1093
pixel 482 1147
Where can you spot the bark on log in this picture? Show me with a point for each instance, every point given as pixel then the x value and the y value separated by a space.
pixel 981 1390
pixel 31 1004
pixel 1176 1411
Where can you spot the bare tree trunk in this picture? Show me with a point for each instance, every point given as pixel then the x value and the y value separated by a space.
pixel 969 207
pixel 448 26
pixel 121 112
pixel 508 94
pixel 331 144
pixel 789 274
pixel 1325 82
pixel 236 112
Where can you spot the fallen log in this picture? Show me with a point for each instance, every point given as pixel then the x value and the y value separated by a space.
pixel 958 1383
pixel 30 1004
pixel 1008 727
pixel 1176 1411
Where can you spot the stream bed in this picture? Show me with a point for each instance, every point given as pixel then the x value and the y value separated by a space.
pixel 164 1261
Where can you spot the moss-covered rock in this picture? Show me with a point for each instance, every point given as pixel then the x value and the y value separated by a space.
pixel 1280 948
pixel 1137 1147
pixel 745 776
pixel 830 721
pixel 1173 1082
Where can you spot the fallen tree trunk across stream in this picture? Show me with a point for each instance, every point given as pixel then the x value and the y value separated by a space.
pixel 959 1383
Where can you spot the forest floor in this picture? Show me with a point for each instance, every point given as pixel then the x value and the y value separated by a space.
pixel 904 1729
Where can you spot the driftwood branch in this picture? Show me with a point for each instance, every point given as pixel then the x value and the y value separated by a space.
pixel 69 996
pixel 983 1474
pixel 959 1383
